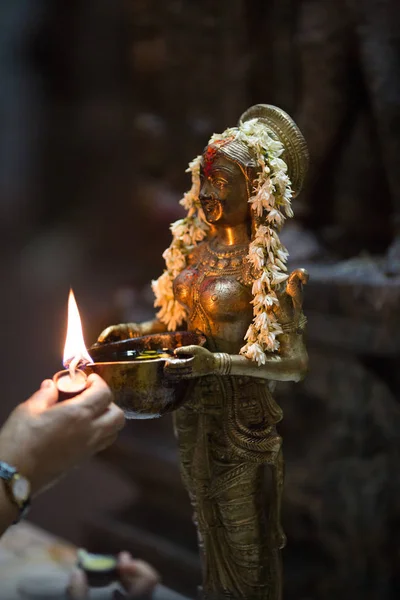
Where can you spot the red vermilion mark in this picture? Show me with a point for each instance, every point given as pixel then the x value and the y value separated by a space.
pixel 210 153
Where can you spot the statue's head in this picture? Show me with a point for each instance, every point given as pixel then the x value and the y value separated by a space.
pixel 235 163
pixel 249 173
pixel 225 184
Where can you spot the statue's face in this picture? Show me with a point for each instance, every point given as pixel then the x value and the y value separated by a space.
pixel 223 191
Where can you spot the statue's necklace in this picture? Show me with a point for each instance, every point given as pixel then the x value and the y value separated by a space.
pixel 229 261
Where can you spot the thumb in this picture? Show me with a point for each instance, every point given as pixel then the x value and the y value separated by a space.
pixel 45 397
pixel 137 577
pixel 187 350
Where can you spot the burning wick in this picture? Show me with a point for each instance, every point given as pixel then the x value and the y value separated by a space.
pixel 73 381
pixel 74 365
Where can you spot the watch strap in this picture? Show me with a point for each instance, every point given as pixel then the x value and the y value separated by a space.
pixel 7 472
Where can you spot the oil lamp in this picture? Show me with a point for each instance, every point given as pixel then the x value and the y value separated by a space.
pixel 133 368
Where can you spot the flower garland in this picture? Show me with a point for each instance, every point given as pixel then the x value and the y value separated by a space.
pixel 271 204
pixel 186 233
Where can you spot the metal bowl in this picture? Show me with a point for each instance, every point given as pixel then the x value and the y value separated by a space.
pixel 140 387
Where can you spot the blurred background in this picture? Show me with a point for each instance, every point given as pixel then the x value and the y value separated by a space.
pixel 102 105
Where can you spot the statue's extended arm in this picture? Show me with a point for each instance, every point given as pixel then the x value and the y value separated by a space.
pixel 287 366
pixel 124 331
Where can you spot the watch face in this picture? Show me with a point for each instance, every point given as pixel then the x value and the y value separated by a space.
pixel 21 488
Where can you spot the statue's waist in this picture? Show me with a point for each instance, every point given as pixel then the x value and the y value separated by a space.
pixel 211 393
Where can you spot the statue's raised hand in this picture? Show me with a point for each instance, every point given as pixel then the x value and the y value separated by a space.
pixel 190 362
pixel 116 333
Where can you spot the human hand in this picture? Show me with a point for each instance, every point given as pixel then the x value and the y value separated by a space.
pixel 190 362
pixel 137 577
pixel 116 333
pixel 43 438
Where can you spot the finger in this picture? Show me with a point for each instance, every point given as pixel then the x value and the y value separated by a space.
pixel 77 587
pixel 45 397
pixel 113 333
pixel 110 422
pixel 96 397
pixel 192 350
pixel 104 444
pixel 105 333
pixel 178 363
pixel 137 577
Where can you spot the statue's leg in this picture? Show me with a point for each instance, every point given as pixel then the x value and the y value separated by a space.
pixel 276 535
pixel 247 566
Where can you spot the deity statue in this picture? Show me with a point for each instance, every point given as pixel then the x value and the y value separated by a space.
pixel 226 277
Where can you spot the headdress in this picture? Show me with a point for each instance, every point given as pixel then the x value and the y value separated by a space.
pixel 275 146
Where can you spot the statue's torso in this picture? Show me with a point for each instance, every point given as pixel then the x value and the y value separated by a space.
pixel 216 291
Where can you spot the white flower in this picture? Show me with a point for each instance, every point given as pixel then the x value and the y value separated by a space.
pixel 270 299
pixel 258 303
pixel 282 254
pixel 281 180
pixel 187 200
pixel 264 301
pixel 257 205
pixel 261 321
pixel 248 127
pixel 256 256
pixel 280 264
pixel 251 334
pixel 278 165
pixel 276 217
pixel 176 315
pixel 274 147
pixel 162 286
pixel 174 259
pixel 288 194
pixel 257 287
pixel 262 232
pixel 269 340
pixel 278 278
pixel 289 211
pixel 194 165
pixel 254 352
pixel 263 197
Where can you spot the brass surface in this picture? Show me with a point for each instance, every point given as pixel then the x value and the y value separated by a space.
pixel 281 126
pixel 226 428
pixel 141 388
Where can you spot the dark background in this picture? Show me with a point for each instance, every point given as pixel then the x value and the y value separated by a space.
pixel 102 105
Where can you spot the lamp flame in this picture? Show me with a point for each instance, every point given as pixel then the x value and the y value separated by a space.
pixel 75 352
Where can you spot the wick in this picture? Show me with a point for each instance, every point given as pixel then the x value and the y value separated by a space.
pixel 77 361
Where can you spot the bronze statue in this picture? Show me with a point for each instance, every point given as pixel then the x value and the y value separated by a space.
pixel 226 278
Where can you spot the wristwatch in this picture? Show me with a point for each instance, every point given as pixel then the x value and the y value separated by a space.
pixel 17 487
